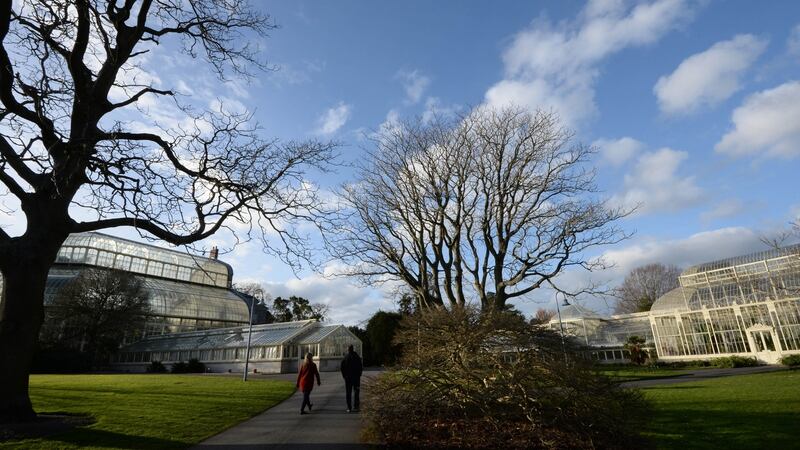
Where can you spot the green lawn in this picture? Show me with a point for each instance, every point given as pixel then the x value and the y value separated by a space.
pixel 631 373
pixel 738 412
pixel 148 411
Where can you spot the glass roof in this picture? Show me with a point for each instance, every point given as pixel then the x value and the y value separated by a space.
pixel 575 311
pixel 791 250
pixel 263 335
pixel 319 334
pixel 98 249
pixel 672 301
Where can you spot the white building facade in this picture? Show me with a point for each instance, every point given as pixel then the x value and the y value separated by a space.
pixel 747 306
pixel 743 306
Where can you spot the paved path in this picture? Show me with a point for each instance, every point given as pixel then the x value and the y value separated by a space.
pixel 328 426
pixel 702 374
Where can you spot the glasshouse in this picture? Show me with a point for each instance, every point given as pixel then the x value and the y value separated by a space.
pixel 746 306
pixel 604 337
pixel 186 292
pixel 274 348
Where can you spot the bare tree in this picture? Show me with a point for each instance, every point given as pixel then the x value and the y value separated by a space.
pixel 782 237
pixel 97 309
pixel 68 93
pixel 644 285
pixel 542 316
pixel 489 206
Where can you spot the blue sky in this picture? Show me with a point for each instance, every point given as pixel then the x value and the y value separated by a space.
pixel 693 106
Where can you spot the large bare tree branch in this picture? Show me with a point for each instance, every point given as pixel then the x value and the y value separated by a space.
pixel 73 73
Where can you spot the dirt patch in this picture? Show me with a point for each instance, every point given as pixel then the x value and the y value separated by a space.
pixel 43 425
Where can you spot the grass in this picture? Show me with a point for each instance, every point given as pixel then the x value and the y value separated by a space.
pixel 148 411
pixel 737 412
pixel 632 373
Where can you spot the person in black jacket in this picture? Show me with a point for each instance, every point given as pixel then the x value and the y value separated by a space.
pixel 351 371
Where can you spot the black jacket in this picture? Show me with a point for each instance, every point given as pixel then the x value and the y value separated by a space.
pixel 351 366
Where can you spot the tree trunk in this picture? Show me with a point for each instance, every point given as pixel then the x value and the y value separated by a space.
pixel 24 272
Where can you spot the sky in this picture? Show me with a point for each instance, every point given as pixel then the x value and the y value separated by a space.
pixel 693 107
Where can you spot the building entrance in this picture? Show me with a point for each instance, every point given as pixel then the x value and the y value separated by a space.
pixel 763 343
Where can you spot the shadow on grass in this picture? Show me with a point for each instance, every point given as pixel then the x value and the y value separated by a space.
pixel 45 424
pixel 675 386
pixel 709 429
pixel 291 446
pixel 89 437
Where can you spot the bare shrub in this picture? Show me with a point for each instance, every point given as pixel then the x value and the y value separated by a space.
pixel 472 380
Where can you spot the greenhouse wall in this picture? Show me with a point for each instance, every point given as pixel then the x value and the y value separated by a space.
pixel 274 348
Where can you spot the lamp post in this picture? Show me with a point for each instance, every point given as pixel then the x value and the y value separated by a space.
pixel 561 323
pixel 249 335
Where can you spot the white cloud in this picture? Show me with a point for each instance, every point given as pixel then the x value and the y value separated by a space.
pixel 767 124
pixel 555 66
pixel 709 77
pixel 334 118
pixel 294 74
pixel 435 108
pixel 727 208
pixel 414 83
pixel 392 122
pixel 793 41
pixel 698 248
pixel 348 303
pixel 655 185
pixel 618 151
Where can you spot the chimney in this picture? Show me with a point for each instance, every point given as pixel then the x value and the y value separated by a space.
pixel 213 253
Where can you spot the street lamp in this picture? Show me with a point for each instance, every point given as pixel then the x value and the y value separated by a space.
pixel 249 335
pixel 561 323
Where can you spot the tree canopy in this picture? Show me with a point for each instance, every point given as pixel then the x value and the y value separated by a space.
pixel 490 206
pixel 297 308
pixel 97 310
pixel 644 285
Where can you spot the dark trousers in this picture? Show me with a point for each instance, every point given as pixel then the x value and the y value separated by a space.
pixel 306 400
pixel 352 387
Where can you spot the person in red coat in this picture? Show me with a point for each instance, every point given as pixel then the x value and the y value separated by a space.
pixel 305 381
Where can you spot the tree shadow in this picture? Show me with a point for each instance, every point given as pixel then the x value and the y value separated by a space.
pixel 44 425
pixel 288 446
pixel 89 437
pixel 709 429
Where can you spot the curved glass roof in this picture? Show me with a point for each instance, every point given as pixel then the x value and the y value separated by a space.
pixel 672 301
pixel 97 249
pixel 172 298
pixel 574 311
pixel 791 250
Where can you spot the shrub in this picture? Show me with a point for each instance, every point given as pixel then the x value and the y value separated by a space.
pixel 791 360
pixel 472 380
pixel 156 367
pixel 61 360
pixel 635 348
pixel 734 361
pixel 179 367
pixel 195 366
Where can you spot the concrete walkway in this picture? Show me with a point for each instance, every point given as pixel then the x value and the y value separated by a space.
pixel 701 374
pixel 328 426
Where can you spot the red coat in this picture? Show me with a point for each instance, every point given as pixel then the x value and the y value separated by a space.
pixel 305 379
